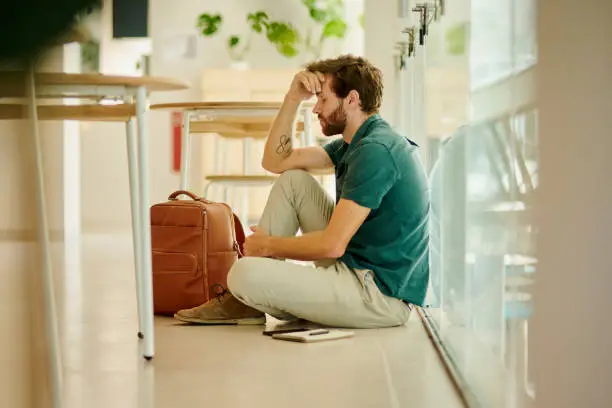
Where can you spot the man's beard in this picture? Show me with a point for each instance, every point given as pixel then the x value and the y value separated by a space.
pixel 335 123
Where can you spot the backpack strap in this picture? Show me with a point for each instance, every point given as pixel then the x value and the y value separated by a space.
pixel 240 237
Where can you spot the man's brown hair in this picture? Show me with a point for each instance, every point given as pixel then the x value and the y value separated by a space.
pixel 353 73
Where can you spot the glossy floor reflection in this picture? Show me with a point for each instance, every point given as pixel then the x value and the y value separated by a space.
pixel 224 366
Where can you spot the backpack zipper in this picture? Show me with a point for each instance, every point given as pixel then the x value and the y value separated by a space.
pixel 205 262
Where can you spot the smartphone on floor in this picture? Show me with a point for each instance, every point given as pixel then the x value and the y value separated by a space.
pixel 273 331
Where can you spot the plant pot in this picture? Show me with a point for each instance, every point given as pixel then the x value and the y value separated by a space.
pixel 239 65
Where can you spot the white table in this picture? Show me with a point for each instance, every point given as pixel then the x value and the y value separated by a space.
pixel 131 95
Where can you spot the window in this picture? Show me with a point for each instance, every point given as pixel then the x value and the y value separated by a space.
pixel 483 179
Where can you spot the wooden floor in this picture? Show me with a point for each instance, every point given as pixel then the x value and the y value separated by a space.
pixel 223 366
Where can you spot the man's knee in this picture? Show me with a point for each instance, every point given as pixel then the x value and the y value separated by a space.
pixel 241 278
pixel 294 177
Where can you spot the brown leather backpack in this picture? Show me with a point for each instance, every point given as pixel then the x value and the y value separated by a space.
pixel 194 243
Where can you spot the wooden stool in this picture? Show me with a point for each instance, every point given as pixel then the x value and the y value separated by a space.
pixel 246 121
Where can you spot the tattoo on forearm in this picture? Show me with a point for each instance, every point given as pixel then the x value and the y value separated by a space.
pixel 285 147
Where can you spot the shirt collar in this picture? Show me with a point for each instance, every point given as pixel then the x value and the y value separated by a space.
pixel 365 128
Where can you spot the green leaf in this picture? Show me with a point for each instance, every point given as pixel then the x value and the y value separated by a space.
pixel 262 15
pixel 233 41
pixel 335 28
pixel 209 23
pixel 456 39
pixel 318 15
pixel 258 20
pixel 287 50
pixel 284 37
pixel 362 21
pixel 309 3
pixel 323 11
pixel 279 32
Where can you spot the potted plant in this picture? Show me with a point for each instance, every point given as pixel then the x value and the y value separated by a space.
pixel 329 22
pixel 281 35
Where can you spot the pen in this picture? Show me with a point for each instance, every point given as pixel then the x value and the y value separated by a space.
pixel 317 332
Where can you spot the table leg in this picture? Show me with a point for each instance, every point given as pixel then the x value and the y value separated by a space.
pixel 219 154
pixel 308 127
pixel 185 150
pixel 136 232
pixel 51 325
pixel 224 166
pixel 145 225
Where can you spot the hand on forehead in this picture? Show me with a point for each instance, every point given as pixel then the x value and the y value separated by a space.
pixel 325 83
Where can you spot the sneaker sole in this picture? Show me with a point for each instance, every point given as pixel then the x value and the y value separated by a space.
pixel 249 321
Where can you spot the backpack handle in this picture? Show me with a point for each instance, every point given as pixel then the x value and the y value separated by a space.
pixel 174 196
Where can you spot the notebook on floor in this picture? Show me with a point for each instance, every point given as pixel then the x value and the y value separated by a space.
pixel 312 336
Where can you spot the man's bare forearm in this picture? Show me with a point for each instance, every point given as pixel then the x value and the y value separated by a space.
pixel 307 247
pixel 279 145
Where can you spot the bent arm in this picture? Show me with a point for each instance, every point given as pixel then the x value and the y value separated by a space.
pixel 279 154
pixel 329 243
pixel 279 145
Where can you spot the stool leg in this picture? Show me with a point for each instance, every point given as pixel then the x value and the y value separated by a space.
pixel 145 225
pixel 222 154
pixel 136 232
pixel 207 190
pixel 51 325
pixel 221 167
pixel 219 154
pixel 244 213
pixel 185 150
pixel 246 155
pixel 225 194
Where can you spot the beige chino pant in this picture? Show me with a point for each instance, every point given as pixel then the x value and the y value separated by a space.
pixel 326 292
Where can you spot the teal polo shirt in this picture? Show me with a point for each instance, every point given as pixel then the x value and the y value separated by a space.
pixel 380 170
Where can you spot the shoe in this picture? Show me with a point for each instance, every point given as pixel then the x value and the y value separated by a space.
pixel 223 309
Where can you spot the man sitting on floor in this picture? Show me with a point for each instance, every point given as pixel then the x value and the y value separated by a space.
pixel 370 248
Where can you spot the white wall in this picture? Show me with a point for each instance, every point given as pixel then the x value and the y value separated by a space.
pixel 104 184
pixel 382 31
pixel 170 28
pixel 572 297
pixel 105 202
pixel 354 42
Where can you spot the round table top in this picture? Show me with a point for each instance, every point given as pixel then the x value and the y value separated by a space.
pixel 222 105
pixel 12 83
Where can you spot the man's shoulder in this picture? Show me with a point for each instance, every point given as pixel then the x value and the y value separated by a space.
pixel 382 132
pixel 385 137
pixel 372 146
pixel 385 147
